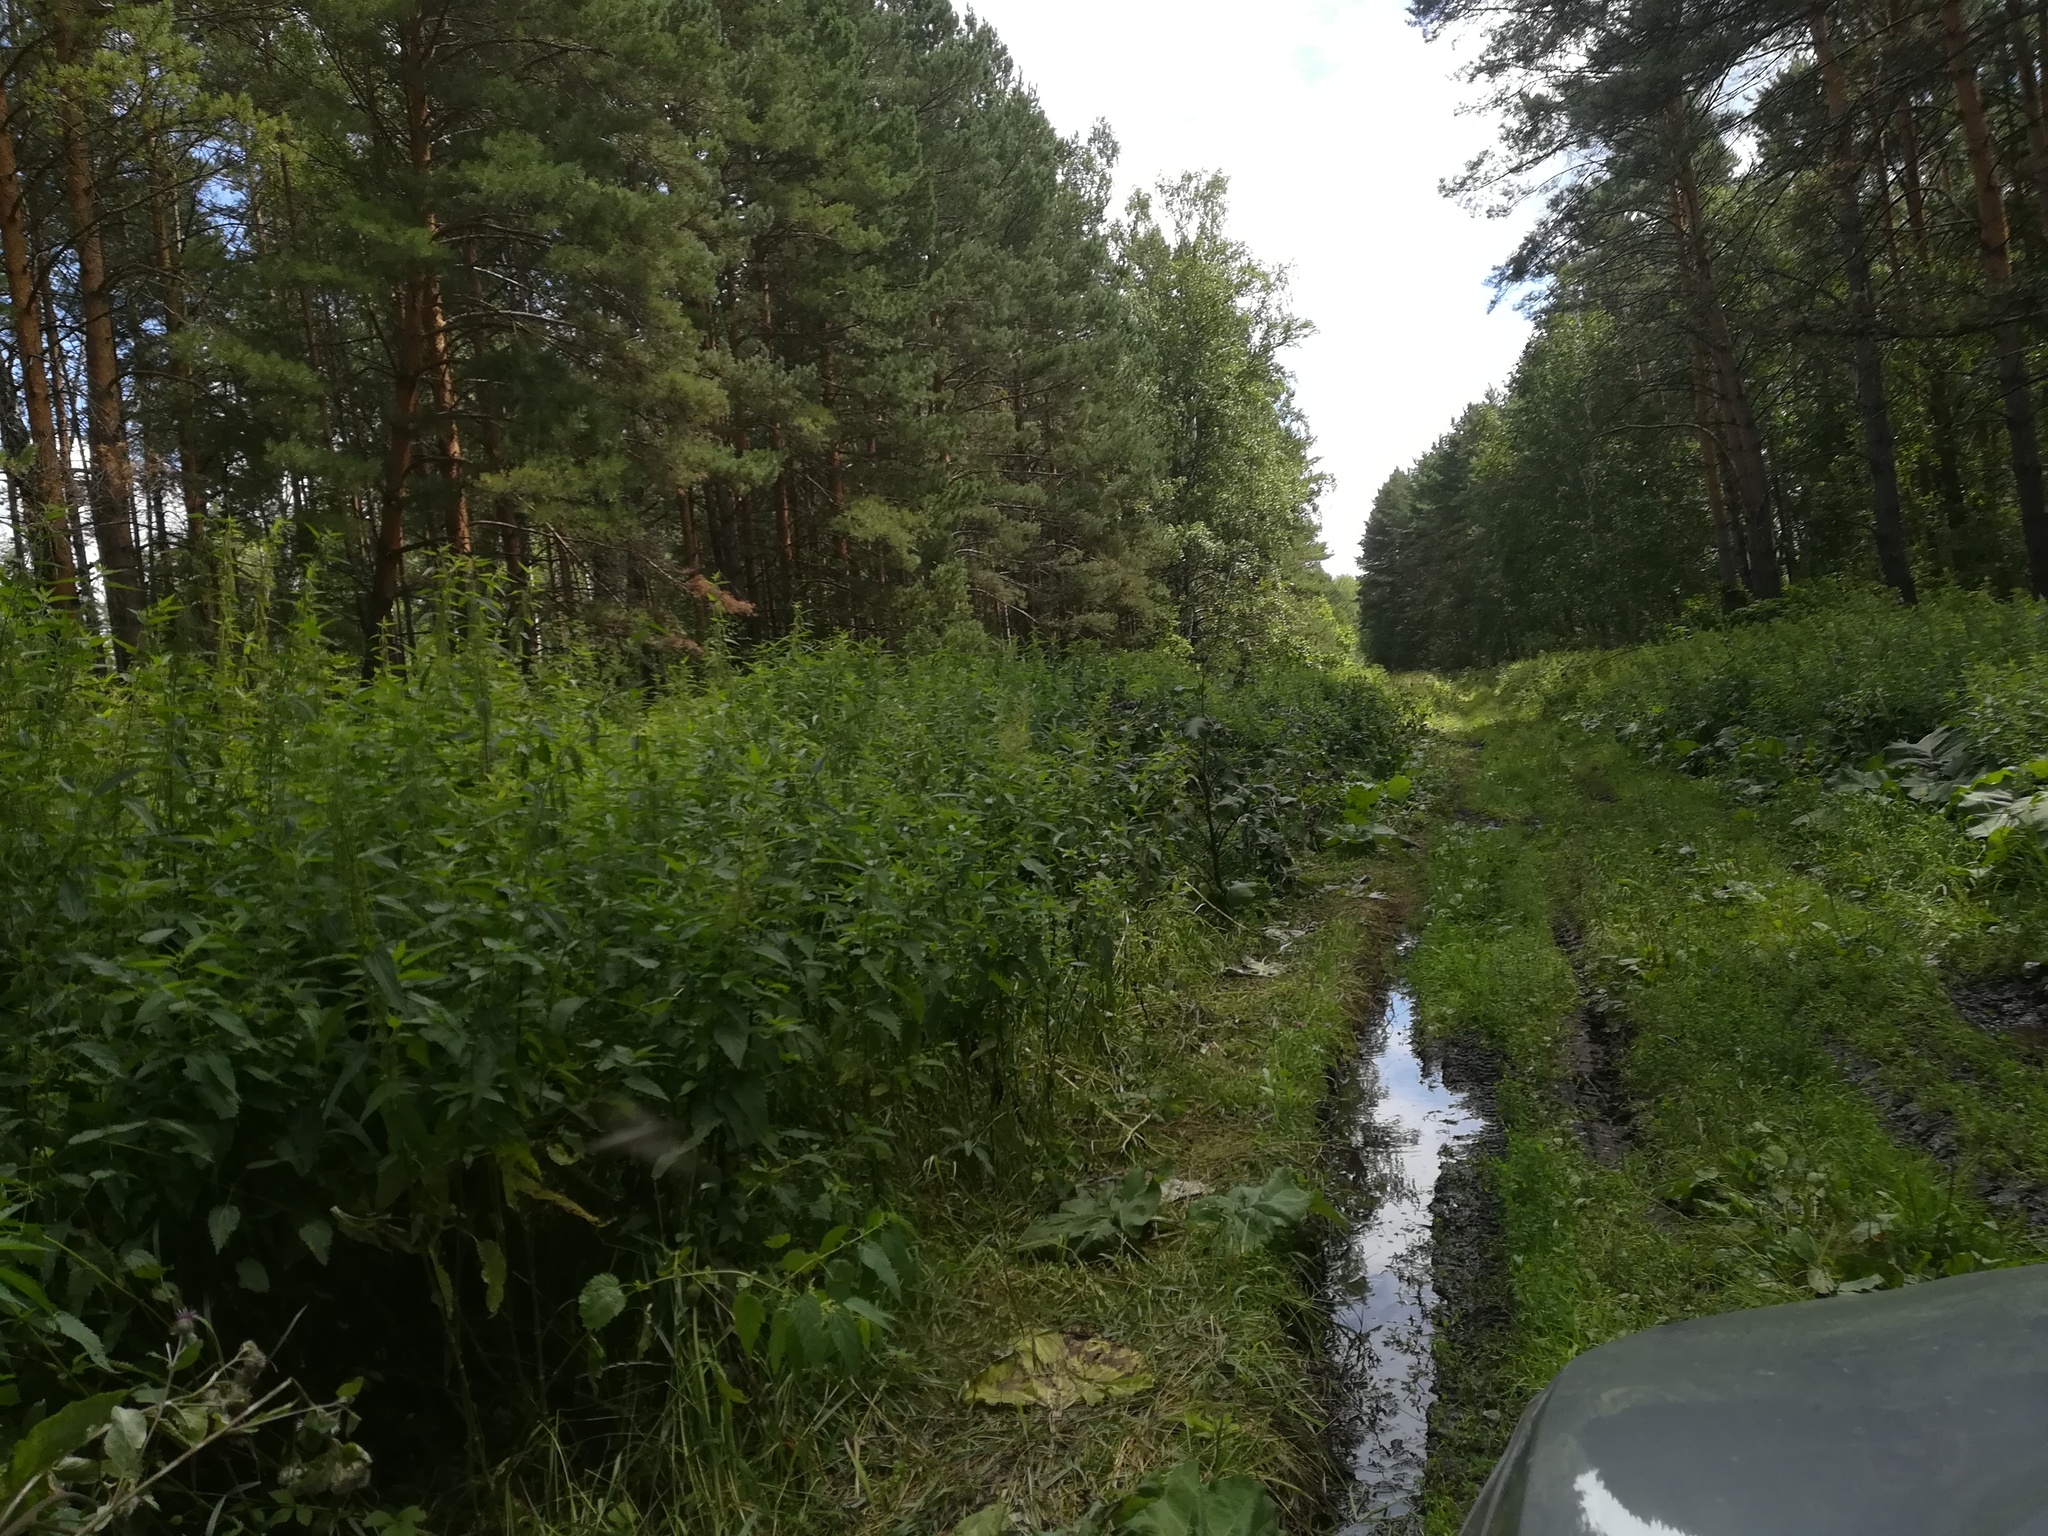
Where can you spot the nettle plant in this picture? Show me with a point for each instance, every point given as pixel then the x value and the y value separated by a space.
pixel 426 1001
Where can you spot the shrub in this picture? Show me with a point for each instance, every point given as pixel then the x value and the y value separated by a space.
pixel 1837 677
pixel 434 1001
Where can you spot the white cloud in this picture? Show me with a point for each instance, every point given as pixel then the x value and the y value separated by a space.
pixel 1335 122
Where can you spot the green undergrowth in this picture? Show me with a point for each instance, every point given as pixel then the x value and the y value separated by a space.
pixel 1832 673
pixel 1767 1014
pixel 1219 1086
pixel 627 1083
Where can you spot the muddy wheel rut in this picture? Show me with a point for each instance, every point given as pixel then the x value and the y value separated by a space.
pixel 1407 1137
pixel 1933 1130
pixel 1596 1049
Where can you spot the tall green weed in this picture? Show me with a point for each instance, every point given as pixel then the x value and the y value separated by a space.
pixel 480 1008
pixel 1835 677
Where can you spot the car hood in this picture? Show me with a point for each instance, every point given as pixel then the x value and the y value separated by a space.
pixel 1921 1412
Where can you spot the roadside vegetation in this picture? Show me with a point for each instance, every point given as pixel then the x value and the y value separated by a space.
pixel 1759 996
pixel 650 664
pixel 625 1103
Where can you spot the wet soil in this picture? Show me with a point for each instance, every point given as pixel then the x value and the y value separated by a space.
pixel 2015 1008
pixel 1468 1424
pixel 1933 1131
pixel 1595 1048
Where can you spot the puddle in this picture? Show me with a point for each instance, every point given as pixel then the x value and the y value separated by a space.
pixel 1396 1124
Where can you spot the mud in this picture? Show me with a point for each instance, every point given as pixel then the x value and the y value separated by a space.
pixel 2014 1008
pixel 1595 1051
pixel 1933 1131
pixel 1468 1422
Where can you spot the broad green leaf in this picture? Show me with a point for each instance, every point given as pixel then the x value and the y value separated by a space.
pixel 992 1521
pixel 1252 1215
pixel 318 1237
pixel 602 1300
pixel 54 1438
pixel 83 1337
pixel 383 970
pixel 127 1434
pixel 1184 1505
pixel 748 1316
pixel 875 1259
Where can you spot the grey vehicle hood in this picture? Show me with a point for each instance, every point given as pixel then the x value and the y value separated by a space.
pixel 1919 1412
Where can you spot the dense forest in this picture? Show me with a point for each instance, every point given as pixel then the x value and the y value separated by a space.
pixel 689 843
pixel 1788 282
pixel 642 647
pixel 798 315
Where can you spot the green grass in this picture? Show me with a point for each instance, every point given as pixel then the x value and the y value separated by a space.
pixel 1217 1078
pixel 1761 1172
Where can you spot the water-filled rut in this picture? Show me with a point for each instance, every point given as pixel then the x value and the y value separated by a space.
pixel 1395 1125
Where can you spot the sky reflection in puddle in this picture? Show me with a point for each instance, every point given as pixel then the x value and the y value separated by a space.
pixel 1404 1121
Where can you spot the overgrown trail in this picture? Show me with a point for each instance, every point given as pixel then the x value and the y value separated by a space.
pixel 1725 1061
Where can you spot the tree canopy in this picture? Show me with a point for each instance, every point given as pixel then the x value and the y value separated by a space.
pixel 1788 272
pixel 662 315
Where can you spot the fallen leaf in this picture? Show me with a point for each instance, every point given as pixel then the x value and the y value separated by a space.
pixel 1176 1190
pixel 1057 1370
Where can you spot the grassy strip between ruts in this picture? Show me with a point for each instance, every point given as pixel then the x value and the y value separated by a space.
pixel 1215 1077
pixel 1760 1005
pixel 1221 1084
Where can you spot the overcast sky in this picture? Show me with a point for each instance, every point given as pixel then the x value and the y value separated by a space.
pixel 1334 122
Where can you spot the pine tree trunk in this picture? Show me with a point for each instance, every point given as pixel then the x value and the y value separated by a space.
pixel 421 355
pixel 2027 64
pixel 1728 555
pixel 693 564
pixel 51 507
pixel 445 405
pixel 1948 458
pixel 835 463
pixel 1994 251
pixel 1879 449
pixel 398 457
pixel 110 487
pixel 785 529
pixel 191 485
pixel 1742 440
pixel 64 414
